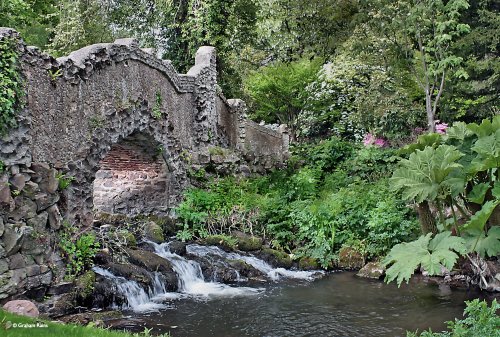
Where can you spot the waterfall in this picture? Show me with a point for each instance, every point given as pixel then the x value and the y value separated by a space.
pixel 191 280
pixel 137 299
pixel 261 265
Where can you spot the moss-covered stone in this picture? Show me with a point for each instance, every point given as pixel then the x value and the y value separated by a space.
pixel 308 263
pixel 153 232
pixel 249 244
pixel 223 241
pixel 372 270
pixel 350 258
pixel 84 284
pixel 277 258
pixel 127 237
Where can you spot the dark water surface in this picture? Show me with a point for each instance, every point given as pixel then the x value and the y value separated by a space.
pixel 340 304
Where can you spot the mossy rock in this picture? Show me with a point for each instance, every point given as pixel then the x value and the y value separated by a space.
pixel 249 244
pixel 373 270
pixel 153 232
pixel 351 259
pixel 308 263
pixel 84 284
pixel 277 258
pixel 111 219
pixel 128 238
pixel 223 241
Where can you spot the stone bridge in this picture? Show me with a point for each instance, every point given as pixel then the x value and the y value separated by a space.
pixel 112 128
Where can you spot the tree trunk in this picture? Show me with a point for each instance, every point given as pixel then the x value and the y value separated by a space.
pixel 431 123
pixel 426 219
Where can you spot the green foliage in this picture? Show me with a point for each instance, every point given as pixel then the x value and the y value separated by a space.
pixel 431 254
pixel 277 92
pixel 465 173
pixel 32 18
pixel 426 174
pixel 78 248
pixel 350 97
pixel 11 85
pixel 64 181
pixel 80 23
pixel 156 111
pixel 480 320
pixel 310 211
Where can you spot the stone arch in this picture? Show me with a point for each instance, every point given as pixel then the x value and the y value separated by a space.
pixel 133 178
pixel 132 122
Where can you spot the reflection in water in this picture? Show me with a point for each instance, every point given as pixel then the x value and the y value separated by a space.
pixel 338 305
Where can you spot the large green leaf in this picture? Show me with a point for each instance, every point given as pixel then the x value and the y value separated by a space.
pixel 496 190
pixel 426 174
pixel 486 127
pixel 479 219
pixel 478 193
pixel 458 131
pixel 405 258
pixel 423 141
pixel 484 245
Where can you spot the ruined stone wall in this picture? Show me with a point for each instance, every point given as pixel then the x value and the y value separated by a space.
pixel 79 111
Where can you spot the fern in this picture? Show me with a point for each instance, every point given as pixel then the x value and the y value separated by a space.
pixel 431 254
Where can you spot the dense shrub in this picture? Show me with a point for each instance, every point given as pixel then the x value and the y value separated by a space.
pixel 339 196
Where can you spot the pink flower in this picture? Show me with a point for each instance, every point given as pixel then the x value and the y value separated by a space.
pixel 372 140
pixel 380 142
pixel 369 139
pixel 441 128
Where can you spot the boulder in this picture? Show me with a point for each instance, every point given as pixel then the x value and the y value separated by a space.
pixel 45 177
pixel 131 272
pixel 153 232
pixel 276 258
pixel 350 258
pixel 247 242
pixel 372 270
pixel 245 269
pixel 18 181
pixel 152 262
pixel 2 226
pixel 39 222
pixel 177 247
pixel 308 263
pixel 22 307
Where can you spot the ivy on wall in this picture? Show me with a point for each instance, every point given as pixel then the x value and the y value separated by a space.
pixel 11 85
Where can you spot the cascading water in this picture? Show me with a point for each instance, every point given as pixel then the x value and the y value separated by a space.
pixel 137 298
pixel 191 280
pixel 262 266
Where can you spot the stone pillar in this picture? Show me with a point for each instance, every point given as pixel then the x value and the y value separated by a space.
pixel 239 107
pixel 205 73
pixel 285 136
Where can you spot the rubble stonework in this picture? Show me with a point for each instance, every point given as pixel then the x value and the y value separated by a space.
pixel 79 109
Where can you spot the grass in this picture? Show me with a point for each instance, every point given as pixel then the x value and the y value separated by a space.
pixel 19 326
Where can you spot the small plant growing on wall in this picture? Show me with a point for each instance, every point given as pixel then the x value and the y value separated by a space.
pixel 11 85
pixel 64 180
pixel 156 112
pixel 78 248
pixel 54 75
